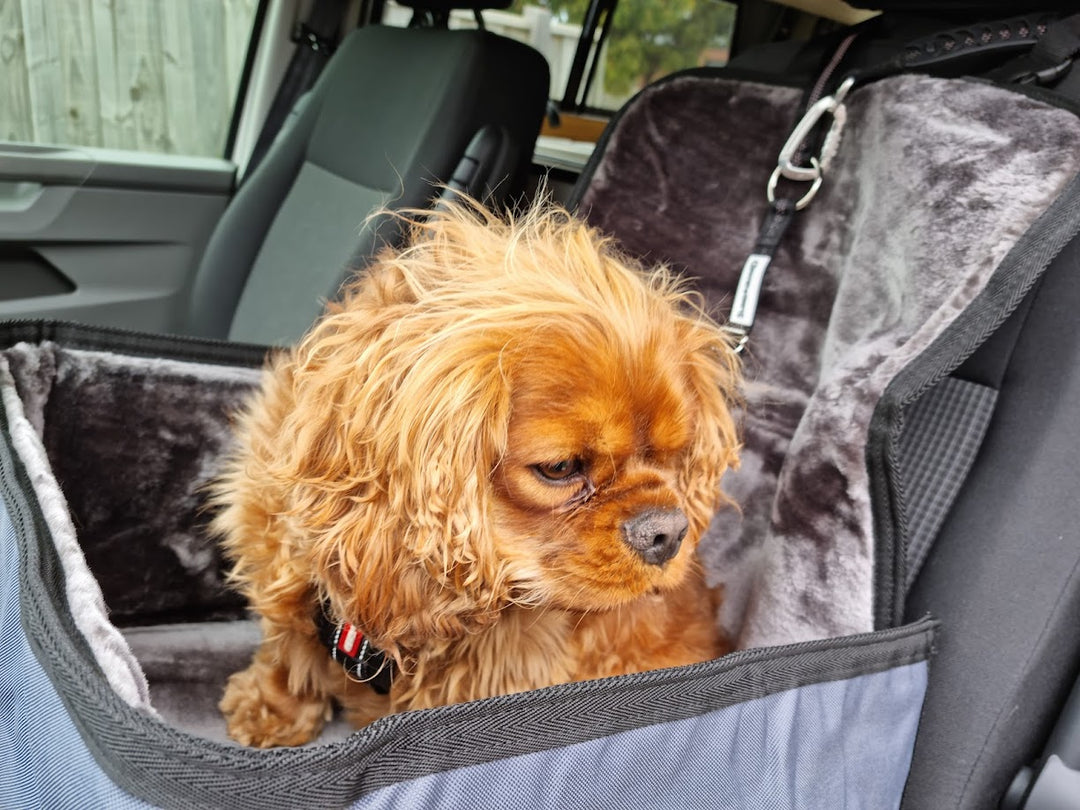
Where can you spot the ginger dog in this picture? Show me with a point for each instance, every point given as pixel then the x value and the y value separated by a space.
pixel 486 470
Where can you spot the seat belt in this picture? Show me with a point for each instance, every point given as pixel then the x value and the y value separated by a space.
pixel 315 38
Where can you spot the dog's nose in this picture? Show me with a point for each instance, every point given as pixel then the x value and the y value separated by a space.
pixel 656 534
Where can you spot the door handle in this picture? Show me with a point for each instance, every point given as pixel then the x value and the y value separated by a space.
pixel 15 197
pixel 44 164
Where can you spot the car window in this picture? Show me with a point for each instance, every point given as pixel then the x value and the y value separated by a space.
pixel 646 40
pixel 649 40
pixel 141 75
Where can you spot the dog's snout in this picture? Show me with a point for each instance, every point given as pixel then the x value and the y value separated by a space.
pixel 656 534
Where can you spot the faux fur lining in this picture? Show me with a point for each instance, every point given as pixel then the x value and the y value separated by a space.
pixel 133 441
pixel 934 183
pixel 84 597
pixel 117 449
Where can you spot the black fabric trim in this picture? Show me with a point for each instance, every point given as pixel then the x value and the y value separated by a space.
pixel 1005 291
pixel 170 768
pixel 980 8
pixel 140 344
pixel 989 363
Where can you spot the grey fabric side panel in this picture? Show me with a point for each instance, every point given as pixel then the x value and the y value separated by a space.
pixel 43 760
pixel 937 446
pixel 327 215
pixel 1004 573
pixel 818 746
pixel 1011 281
pixel 459 736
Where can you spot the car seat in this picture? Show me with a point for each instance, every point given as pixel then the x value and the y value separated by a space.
pixel 986 456
pixel 395 112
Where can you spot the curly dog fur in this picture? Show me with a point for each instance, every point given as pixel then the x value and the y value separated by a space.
pixel 484 458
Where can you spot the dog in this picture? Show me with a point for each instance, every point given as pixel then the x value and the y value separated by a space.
pixel 485 470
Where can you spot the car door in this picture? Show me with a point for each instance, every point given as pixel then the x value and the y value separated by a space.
pixel 116 120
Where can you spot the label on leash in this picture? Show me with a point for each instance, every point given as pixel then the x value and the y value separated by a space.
pixel 744 308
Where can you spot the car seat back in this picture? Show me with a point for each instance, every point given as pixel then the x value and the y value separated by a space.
pixel 392 115
pixel 978 528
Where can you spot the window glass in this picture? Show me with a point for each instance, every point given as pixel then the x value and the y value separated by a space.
pixel 149 75
pixel 647 39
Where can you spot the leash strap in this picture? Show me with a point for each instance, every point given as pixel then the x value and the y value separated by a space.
pixel 1051 49
pixel 744 307
pixel 790 166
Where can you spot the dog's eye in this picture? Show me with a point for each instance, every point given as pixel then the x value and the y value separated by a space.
pixel 560 470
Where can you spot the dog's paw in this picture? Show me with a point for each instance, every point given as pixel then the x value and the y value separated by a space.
pixel 261 713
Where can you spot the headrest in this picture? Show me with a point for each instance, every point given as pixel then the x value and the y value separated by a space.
pixel 444 6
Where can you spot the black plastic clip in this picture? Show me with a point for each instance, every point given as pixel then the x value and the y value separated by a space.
pixel 1047 76
pixel 304 34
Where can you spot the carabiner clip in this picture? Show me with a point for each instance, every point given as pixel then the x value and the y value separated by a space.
pixel 813 174
pixel 829 105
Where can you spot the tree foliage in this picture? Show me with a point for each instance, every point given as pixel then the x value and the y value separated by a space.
pixel 651 38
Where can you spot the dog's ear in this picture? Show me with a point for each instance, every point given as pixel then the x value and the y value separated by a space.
pixel 713 377
pixel 394 442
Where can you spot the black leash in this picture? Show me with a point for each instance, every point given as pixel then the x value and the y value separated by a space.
pixel 781 212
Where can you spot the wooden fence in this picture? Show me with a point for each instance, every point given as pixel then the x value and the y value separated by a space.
pixel 162 75
pixel 152 75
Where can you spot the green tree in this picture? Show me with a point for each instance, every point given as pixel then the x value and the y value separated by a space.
pixel 650 39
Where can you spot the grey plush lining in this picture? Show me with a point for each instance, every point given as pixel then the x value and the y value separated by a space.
pixel 934 183
pixel 117 449
pixel 81 589
pixel 133 441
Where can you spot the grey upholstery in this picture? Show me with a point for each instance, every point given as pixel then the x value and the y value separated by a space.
pixel 391 116
pixel 1003 575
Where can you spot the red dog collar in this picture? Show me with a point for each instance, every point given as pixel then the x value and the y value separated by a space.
pixel 360 660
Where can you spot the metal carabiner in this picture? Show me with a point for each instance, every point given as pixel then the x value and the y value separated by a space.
pixel 824 106
pixel 829 105
pixel 814 175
